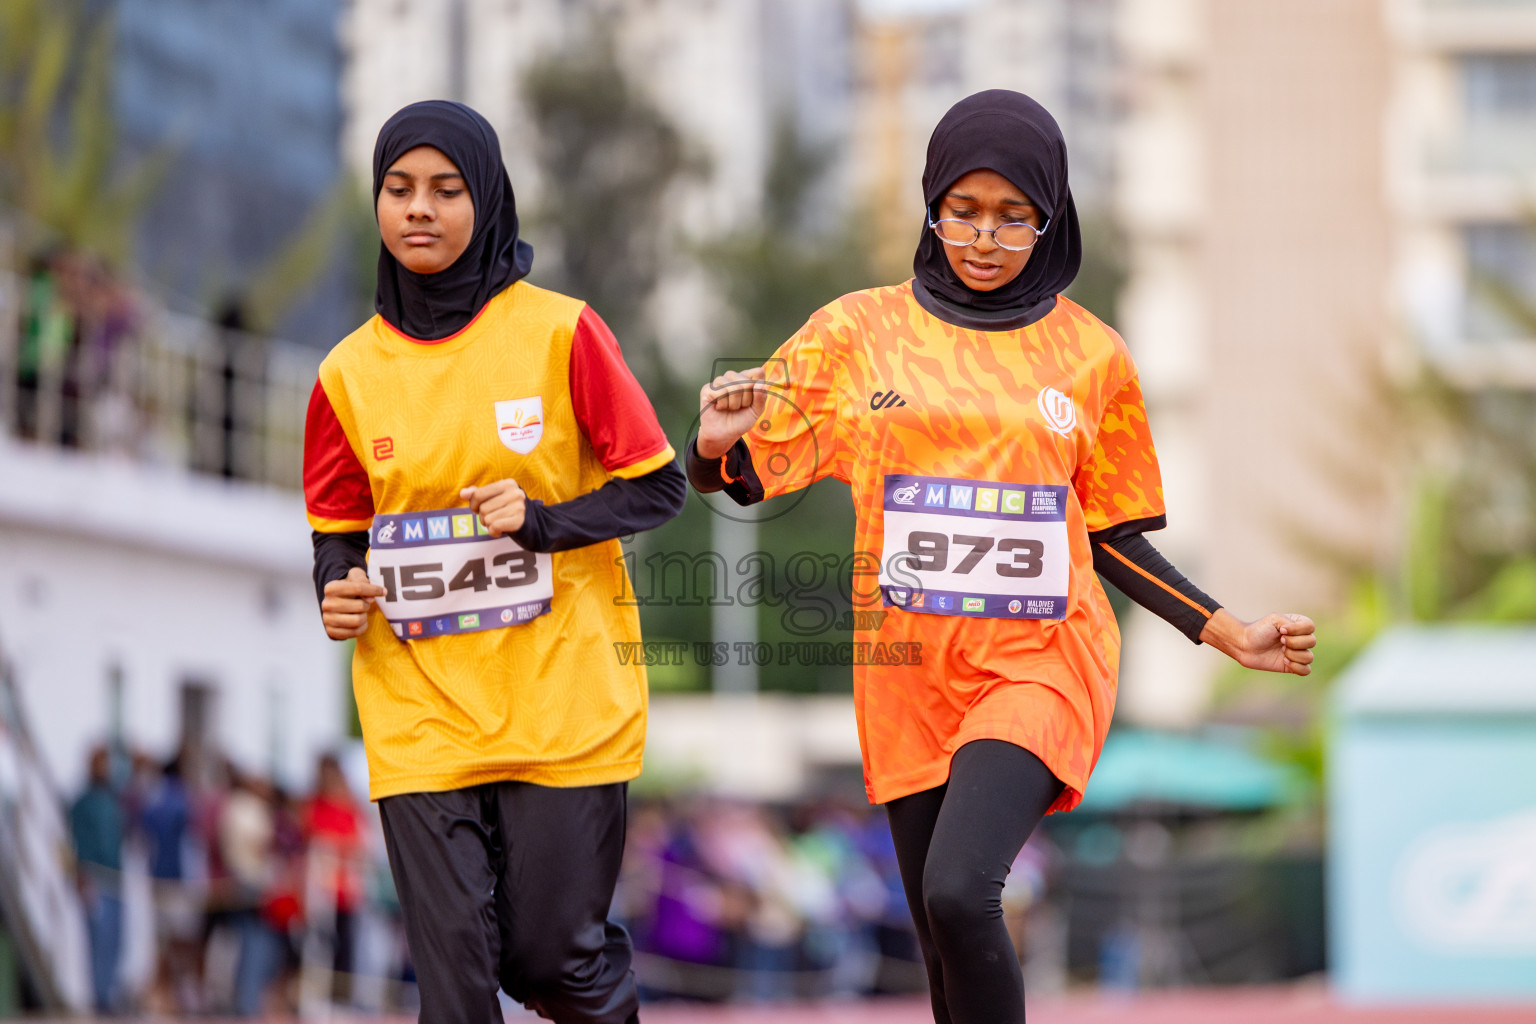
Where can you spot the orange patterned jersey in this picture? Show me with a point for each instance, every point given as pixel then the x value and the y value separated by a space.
pixel 979 461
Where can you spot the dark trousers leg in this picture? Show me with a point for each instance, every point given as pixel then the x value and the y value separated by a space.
pixel 559 952
pixel 510 884
pixel 954 846
pixel 441 851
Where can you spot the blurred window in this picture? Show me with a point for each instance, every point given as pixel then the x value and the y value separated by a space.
pixel 1501 281
pixel 1499 85
pixel 943 54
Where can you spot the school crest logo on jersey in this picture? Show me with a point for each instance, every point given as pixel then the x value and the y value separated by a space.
pixel 520 423
pixel 1059 412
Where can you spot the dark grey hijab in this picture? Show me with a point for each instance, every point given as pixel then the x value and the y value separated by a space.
pixel 433 306
pixel 1006 132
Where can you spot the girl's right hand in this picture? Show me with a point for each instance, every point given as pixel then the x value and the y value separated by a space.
pixel 344 609
pixel 728 407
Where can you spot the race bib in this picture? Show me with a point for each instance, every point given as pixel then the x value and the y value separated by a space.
pixel 442 572
pixel 968 547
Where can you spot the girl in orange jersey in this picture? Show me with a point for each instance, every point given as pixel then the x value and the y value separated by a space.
pixel 482 442
pixel 996 443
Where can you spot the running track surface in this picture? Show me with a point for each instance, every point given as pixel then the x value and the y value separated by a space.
pixel 1302 1005
pixel 1298 1005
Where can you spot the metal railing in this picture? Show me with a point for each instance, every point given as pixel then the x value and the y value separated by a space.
pixel 134 380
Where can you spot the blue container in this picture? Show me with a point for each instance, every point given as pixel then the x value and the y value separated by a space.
pixel 1432 838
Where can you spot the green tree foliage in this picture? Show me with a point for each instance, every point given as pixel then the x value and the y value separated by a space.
pixel 1467 553
pixel 340 226
pixel 607 157
pixel 58 143
pixel 774 275
pixel 609 162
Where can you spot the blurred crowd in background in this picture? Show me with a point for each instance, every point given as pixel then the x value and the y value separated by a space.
pixel 208 890
pixel 211 891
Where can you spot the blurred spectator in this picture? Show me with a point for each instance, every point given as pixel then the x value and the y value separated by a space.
pixel 334 835
pixel 747 901
pixel 696 906
pixel 97 823
pixel 165 820
pixel 282 907
pixel 748 849
pixel 46 336
pixel 841 939
pixel 246 830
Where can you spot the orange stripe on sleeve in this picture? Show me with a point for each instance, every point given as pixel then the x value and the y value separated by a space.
pixel 1155 580
pixel 648 465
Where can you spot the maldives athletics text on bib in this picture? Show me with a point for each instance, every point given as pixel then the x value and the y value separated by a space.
pixel 971 547
pixel 442 572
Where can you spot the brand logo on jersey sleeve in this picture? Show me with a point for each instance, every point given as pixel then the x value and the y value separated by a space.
pixel 1059 412
pixel 520 423
pixel 886 400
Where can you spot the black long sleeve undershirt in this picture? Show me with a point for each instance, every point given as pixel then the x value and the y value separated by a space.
pixel 619 507
pixel 1122 554
pixel 1141 573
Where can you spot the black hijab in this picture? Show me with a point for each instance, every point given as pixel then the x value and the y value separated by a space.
pixel 1011 134
pixel 433 306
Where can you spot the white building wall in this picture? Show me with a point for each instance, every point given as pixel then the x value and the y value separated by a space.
pixel 172 579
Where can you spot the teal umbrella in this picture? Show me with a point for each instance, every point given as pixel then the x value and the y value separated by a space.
pixel 1143 766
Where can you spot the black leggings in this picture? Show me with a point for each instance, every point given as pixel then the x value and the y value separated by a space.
pixel 954 845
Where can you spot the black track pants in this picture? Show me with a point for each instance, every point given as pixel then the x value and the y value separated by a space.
pixel 954 845
pixel 508 884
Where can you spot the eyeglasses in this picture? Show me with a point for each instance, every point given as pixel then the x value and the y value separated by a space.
pixel 1015 236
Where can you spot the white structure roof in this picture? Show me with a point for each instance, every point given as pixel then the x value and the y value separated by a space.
pixel 1455 670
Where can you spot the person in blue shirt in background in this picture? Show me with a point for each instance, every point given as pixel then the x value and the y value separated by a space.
pixel 96 823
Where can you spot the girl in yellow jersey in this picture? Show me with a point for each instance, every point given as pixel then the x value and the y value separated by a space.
pixel 995 439
pixel 471 454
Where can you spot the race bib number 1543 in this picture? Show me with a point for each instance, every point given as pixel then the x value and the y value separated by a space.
pixel 442 572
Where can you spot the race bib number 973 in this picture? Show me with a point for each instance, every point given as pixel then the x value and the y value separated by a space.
pixel 442 572
pixel 976 548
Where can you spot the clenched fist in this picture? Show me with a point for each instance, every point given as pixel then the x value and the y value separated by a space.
pixel 728 407
pixel 344 609
pixel 500 506
pixel 1275 643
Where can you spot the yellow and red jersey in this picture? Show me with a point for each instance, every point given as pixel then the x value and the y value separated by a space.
pixel 992 455
pixel 534 389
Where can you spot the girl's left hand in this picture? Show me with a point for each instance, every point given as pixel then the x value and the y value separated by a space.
pixel 501 506
pixel 1275 643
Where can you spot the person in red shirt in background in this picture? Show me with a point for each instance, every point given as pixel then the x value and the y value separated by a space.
pixel 333 834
